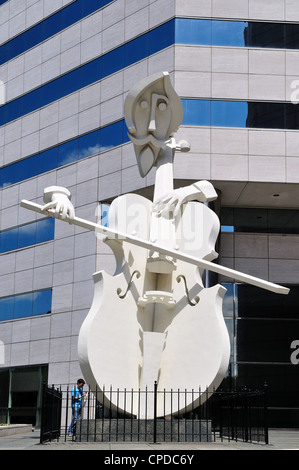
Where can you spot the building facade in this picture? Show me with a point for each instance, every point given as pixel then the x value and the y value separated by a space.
pixel 65 69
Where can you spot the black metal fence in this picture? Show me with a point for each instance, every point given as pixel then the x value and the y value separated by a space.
pixel 150 415
pixel 51 414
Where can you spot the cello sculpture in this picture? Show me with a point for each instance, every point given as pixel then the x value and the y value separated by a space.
pixel 154 320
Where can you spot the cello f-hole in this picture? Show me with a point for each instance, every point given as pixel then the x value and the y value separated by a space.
pixel 119 291
pixel 196 298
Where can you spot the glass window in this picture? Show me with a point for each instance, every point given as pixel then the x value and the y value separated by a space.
pixel 28 167
pixel 250 220
pixel 162 37
pixel 53 24
pixel 89 144
pixel 42 302
pixel 70 82
pixel 32 36
pixel 48 160
pixel 6 308
pixel 265 35
pixel 193 31
pixel 45 230
pixel 9 240
pixel 10 174
pixel 229 300
pixel 113 61
pixel 71 14
pixel 291 36
pixel 228 33
pixel 68 152
pixel 259 303
pixel 137 49
pixel 267 115
pixel 50 92
pixel 23 305
pixel 265 340
pixel 197 112
pixel 91 72
pixel 112 136
pixel 260 220
pixel 26 235
pixel 229 113
pixel 48 27
pixel 102 213
pixel 12 110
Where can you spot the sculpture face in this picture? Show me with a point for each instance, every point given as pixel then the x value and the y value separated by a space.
pixel 153 112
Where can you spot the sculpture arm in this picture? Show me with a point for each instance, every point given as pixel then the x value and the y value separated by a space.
pixel 59 199
pixel 202 191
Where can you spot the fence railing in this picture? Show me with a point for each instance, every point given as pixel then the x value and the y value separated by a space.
pixel 51 414
pixel 139 416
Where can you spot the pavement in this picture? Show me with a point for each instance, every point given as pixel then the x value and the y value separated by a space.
pixel 279 439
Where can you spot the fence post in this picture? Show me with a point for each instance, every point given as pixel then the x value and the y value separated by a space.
pixel 43 418
pixel 266 429
pixel 155 412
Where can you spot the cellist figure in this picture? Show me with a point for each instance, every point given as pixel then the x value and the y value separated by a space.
pixel 154 320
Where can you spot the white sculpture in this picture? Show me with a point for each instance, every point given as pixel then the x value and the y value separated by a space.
pixel 154 320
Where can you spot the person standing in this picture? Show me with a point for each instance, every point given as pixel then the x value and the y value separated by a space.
pixel 77 395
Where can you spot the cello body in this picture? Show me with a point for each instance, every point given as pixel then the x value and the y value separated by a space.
pixel 153 320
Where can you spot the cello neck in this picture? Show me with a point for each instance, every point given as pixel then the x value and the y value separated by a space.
pixel 162 229
pixel 164 172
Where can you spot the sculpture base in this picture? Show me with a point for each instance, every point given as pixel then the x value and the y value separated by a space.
pixel 141 430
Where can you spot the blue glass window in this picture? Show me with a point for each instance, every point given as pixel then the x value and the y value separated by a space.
pixel 26 305
pixel 89 144
pixel 28 167
pixel 27 235
pixel 6 308
pixel 113 61
pixel 48 160
pixel 229 113
pixel 91 72
pixel 104 211
pixel 80 147
pixel 197 112
pixel 228 33
pixel 112 135
pixel 23 305
pixel 162 37
pixel 193 31
pixel 50 92
pixel 69 82
pixel 42 302
pixel 136 49
pixel 240 114
pixel 68 152
pixel 8 240
pixel 45 230
pixel 49 26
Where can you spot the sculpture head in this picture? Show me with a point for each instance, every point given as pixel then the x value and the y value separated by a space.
pixel 153 112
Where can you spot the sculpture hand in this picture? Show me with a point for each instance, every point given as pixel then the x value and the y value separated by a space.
pixel 58 198
pixel 201 191
pixel 171 202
